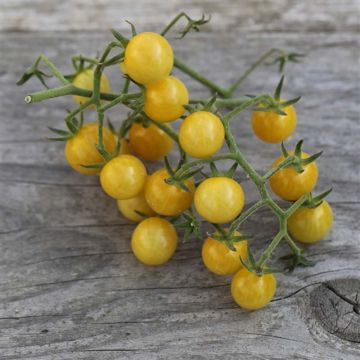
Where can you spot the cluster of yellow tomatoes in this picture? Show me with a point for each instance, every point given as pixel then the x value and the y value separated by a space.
pixel 148 198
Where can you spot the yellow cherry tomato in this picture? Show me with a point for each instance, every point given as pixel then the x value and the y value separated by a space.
pixel 81 148
pixel 219 259
pixel 154 241
pixel 123 177
pixel 309 225
pixel 167 199
pixel 272 127
pixel 289 184
pixel 124 147
pixel 130 207
pixel 201 134
pixel 219 199
pixel 251 291
pixel 85 80
pixel 148 58
pixel 165 99
pixel 150 143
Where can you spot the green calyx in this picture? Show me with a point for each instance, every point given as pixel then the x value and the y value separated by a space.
pixel 189 224
pixel 73 127
pixel 315 201
pixel 227 237
pixel 298 162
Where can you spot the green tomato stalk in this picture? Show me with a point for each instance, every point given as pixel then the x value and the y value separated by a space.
pixel 135 102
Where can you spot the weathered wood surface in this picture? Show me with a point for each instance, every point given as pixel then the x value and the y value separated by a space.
pixel 69 285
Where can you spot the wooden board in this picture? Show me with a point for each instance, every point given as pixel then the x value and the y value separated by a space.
pixel 69 285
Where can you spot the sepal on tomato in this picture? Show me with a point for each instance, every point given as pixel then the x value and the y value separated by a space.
pixel 296 260
pixel 315 201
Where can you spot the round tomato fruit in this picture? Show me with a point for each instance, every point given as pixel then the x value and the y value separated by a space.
pixel 123 177
pixel 288 184
pixel 272 127
pixel 251 291
pixel 85 80
pixel 154 241
pixel 167 199
pixel 219 259
pixel 124 147
pixel 309 225
pixel 201 134
pixel 148 58
pixel 81 148
pixel 129 208
pixel 165 99
pixel 150 143
pixel 219 199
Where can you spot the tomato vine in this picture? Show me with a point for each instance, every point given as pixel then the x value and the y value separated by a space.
pixel 222 97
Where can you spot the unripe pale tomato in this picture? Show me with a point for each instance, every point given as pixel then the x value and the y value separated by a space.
pixel 165 99
pixel 219 259
pixel 154 241
pixel 289 184
pixel 251 291
pixel 272 127
pixel 123 177
pixel 167 199
pixel 150 143
pixel 201 134
pixel 219 199
pixel 81 148
pixel 148 58
pixel 85 80
pixel 309 225
pixel 138 203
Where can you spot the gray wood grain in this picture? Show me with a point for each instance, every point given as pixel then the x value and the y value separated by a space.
pixel 69 285
pixel 249 15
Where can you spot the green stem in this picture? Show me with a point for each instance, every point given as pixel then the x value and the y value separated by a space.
pixel 294 248
pixel 272 246
pixel 244 215
pixel 200 78
pixel 68 89
pixel 166 129
pixel 244 105
pixel 50 93
pixel 126 86
pixel 120 99
pixel 173 22
pixel 85 59
pixel 54 69
pixel 189 165
pixel 288 161
pixel 297 204
pixel 251 68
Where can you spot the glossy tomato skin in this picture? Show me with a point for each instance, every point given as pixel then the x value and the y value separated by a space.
pixel 165 99
pixel 167 199
pixel 129 207
pixel 219 199
pixel 154 241
pixel 81 148
pixel 310 225
pixel 124 147
pixel 252 292
pixel 201 134
pixel 289 184
pixel 150 143
pixel 85 80
pixel 272 127
pixel 148 58
pixel 219 259
pixel 123 177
